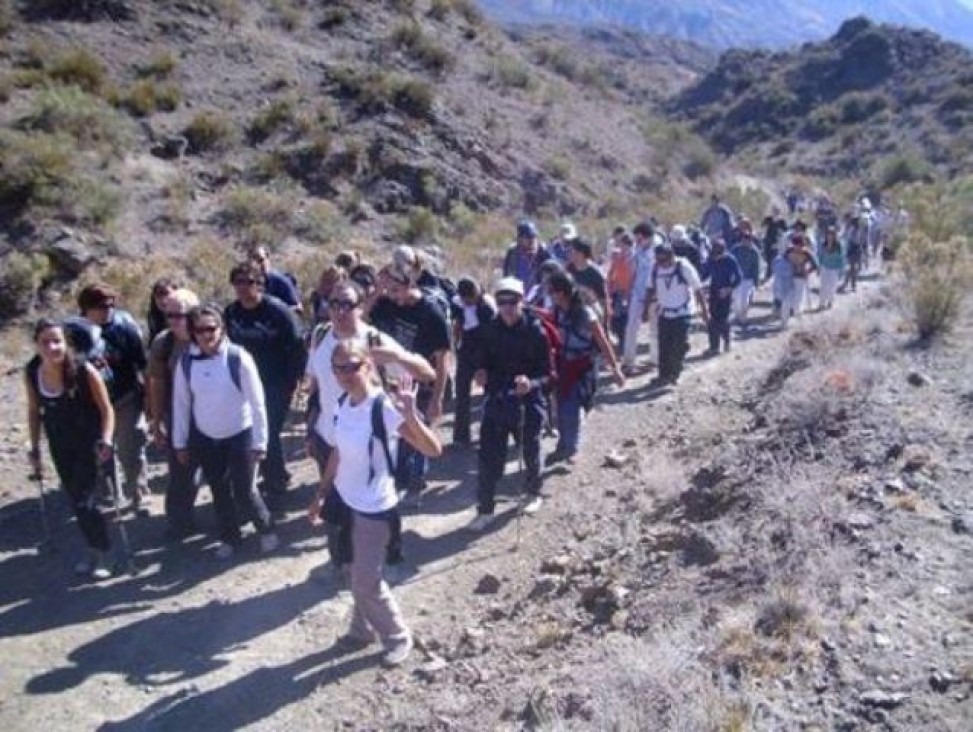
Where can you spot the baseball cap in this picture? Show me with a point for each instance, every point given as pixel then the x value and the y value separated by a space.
pixel 509 285
pixel 526 228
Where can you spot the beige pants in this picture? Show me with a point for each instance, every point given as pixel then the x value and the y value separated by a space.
pixel 375 609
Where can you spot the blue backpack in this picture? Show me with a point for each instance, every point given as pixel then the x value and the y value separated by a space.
pixel 233 361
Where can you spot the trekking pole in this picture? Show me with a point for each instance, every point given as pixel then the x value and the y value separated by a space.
pixel 106 471
pixel 520 469
pixel 47 540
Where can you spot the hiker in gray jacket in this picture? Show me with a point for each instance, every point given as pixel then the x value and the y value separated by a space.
pixel 748 255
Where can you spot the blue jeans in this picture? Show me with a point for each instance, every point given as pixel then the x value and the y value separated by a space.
pixel 569 420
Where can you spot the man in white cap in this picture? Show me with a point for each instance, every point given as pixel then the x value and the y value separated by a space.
pixel 560 248
pixel 515 372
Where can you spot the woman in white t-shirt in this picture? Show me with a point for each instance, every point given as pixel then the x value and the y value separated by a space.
pixel 360 469
pixel 347 323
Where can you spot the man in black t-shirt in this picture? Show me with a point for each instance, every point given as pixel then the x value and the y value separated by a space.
pixel 588 277
pixel 267 328
pixel 417 325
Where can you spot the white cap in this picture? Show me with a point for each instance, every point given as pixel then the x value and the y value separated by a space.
pixel 678 232
pixel 568 230
pixel 511 285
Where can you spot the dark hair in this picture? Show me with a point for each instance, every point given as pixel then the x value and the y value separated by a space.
pixel 210 309
pixel 164 284
pixel 353 287
pixel 348 260
pixel 564 283
pixel 248 269
pixel 582 247
pixel 644 228
pixel 364 276
pixel 71 365
pixel 467 287
pixel 91 296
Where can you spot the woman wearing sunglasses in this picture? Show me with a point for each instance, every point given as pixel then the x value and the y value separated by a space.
pixel 219 420
pixel 359 469
pixel 347 324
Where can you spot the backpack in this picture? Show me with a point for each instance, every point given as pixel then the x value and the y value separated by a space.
pixel 82 387
pixel 379 434
pixel 233 359
pixel 89 344
pixel 552 334
pixel 680 276
pixel 317 335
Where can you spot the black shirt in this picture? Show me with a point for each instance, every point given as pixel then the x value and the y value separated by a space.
pixel 420 328
pixel 591 279
pixel 271 335
pixel 514 350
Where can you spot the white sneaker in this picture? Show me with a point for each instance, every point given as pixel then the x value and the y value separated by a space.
pixel 533 505
pixel 269 542
pixel 225 551
pixel 481 522
pixel 102 567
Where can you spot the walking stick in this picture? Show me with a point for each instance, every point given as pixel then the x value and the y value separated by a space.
pixel 106 471
pixel 47 540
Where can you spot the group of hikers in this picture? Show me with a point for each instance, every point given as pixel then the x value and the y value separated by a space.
pixel 380 354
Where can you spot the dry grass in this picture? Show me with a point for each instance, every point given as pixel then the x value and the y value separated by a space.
pixel 211 131
pixel 85 117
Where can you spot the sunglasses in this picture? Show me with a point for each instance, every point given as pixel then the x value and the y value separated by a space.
pixel 205 329
pixel 507 301
pixel 350 367
pixel 342 306
pixel 105 305
pixel 175 316
pixel 244 282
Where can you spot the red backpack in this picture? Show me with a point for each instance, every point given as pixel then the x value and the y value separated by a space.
pixel 552 334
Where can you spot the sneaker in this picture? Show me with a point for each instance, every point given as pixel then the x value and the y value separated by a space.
pixel 481 522
pixel 397 654
pixel 225 551
pixel 101 568
pixel 269 542
pixel 533 505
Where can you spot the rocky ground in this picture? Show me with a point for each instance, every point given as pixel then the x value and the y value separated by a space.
pixel 778 543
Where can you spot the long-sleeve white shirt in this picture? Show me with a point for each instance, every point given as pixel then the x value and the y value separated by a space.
pixel 215 403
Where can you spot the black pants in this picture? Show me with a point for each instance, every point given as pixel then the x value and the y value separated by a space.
pixel 465 367
pixel 719 322
pixel 504 417
pixel 181 493
pixel 77 468
pixel 274 471
pixel 673 346
pixel 228 467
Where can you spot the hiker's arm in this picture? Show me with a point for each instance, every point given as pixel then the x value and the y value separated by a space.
pixel 605 346
pixel 389 351
pixel 33 427
pixel 157 407
pixel 414 430
pixel 703 307
pixel 324 487
pixel 435 409
pixel 253 393
pixel 181 412
pixel 99 394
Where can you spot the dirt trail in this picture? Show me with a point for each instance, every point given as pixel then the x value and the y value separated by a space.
pixel 190 643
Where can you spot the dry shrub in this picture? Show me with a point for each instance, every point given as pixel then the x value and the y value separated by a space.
pixel 210 131
pixel 85 117
pixel 936 277
pixel 20 276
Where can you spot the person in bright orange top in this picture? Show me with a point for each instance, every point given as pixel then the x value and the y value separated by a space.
pixel 621 276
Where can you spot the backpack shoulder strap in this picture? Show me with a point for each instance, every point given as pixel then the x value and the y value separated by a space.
pixel 235 362
pixel 32 368
pixel 379 432
pixel 319 333
pixel 186 364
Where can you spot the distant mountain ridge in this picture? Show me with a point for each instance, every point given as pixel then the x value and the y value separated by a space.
pixel 722 24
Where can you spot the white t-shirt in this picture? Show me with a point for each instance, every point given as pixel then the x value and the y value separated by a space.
pixel 319 366
pixel 357 449
pixel 470 320
pixel 675 298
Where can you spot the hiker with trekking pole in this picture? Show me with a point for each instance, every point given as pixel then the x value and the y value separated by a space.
pixel 66 396
pixel 515 371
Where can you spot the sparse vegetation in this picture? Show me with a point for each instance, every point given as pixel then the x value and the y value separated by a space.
pixel 271 118
pixel 21 276
pixel 84 117
pixel 421 226
pixel 378 91
pixel 425 49
pixel 79 67
pixel 210 131
pixel 159 66
pixel 510 73
pixel 147 97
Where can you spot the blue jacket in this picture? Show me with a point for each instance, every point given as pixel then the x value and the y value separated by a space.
pixel 748 256
pixel 831 260
pixel 723 272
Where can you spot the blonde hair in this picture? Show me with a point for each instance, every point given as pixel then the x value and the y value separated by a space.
pixel 186 299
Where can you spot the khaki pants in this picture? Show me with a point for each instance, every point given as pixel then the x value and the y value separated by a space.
pixel 130 439
pixel 375 609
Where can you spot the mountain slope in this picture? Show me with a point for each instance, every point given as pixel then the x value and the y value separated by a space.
pixel 723 24
pixel 868 96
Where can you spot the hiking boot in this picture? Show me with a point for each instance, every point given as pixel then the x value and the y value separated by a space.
pixel 533 505
pixel 225 551
pixel 351 643
pixel 397 652
pixel 481 522
pixel 269 542
pixel 558 456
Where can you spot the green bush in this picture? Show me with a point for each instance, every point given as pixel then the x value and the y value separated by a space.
pixel 906 168
pixel 35 168
pixel 510 73
pixel 558 166
pixel 210 131
pixel 857 108
pixel 420 226
pixel 700 161
pixel 20 277
pixel 377 91
pixel 79 67
pixel 8 17
pixel 409 37
pixel 86 118
pixel 439 9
